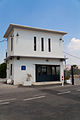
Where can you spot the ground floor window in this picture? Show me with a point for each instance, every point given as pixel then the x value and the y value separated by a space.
pixel 47 73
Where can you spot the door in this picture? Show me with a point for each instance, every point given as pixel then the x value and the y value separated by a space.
pixel 45 73
pixel 40 73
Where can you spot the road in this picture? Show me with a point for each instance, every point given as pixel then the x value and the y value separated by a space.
pixel 39 103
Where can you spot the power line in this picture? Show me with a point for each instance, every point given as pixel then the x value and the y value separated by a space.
pixel 72 55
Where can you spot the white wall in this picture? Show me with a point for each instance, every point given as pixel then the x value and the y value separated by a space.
pixel 9 68
pixel 21 76
pixel 9 52
pixel 24 44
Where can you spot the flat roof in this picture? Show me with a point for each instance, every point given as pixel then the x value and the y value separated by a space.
pixel 11 26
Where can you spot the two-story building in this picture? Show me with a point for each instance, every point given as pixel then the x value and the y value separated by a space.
pixel 34 54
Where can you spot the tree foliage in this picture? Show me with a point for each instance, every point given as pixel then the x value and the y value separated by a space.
pixel 3 67
pixel 67 73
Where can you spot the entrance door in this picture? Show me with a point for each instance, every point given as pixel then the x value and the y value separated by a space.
pixel 45 73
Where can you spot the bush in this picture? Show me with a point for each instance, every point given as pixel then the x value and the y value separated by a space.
pixel 67 74
pixel 3 67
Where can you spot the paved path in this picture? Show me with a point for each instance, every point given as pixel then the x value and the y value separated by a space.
pixel 39 103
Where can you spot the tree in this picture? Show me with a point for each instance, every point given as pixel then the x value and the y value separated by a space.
pixel 3 67
pixel 67 74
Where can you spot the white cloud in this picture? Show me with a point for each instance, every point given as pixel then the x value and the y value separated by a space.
pixel 73 50
pixel 74 44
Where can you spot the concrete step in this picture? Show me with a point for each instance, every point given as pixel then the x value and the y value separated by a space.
pixel 46 83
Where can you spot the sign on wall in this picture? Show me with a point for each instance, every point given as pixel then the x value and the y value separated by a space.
pixel 23 67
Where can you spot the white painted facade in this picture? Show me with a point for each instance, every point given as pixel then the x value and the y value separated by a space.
pixel 23 47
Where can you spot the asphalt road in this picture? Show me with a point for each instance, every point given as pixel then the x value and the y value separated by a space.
pixel 39 103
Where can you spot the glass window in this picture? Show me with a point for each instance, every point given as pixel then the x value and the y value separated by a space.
pixel 57 70
pixel 48 70
pixel 39 70
pixel 53 70
pixel 34 43
pixel 43 70
pixel 11 70
pixel 11 43
pixel 42 44
pixel 49 45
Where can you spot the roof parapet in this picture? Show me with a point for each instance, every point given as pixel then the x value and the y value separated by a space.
pixel 11 26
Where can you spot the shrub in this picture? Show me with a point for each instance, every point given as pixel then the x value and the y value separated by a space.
pixel 3 67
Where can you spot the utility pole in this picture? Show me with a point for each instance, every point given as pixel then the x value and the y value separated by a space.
pixel 72 72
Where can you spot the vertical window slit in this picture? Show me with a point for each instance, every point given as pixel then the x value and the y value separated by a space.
pixel 49 45
pixel 42 44
pixel 34 43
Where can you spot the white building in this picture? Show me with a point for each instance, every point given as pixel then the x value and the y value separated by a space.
pixel 34 55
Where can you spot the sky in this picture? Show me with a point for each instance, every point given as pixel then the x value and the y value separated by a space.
pixel 61 15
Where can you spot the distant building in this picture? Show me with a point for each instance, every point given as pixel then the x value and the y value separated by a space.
pixel 34 54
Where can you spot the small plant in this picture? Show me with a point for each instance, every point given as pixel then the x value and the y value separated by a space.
pixel 20 85
pixel 29 76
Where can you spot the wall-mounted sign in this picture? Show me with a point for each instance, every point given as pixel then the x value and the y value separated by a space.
pixel 23 67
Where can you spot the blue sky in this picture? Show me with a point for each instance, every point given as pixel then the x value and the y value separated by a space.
pixel 63 15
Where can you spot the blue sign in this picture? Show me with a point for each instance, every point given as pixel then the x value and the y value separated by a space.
pixel 23 67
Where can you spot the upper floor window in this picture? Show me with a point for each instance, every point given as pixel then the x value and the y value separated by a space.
pixel 11 70
pixel 34 43
pixel 42 44
pixel 49 45
pixel 11 43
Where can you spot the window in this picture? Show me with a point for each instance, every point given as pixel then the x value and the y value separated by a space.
pixel 42 44
pixel 11 43
pixel 39 70
pixel 6 54
pixel 11 70
pixel 34 43
pixel 23 67
pixel 49 71
pixel 44 70
pixel 49 45
pixel 57 70
pixel 53 70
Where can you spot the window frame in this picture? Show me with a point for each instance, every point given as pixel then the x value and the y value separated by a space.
pixel 49 45
pixel 42 44
pixel 34 43
pixel 11 66
pixel 11 43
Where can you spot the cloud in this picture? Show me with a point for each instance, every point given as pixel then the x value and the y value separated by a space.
pixel 74 44
pixel 73 50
